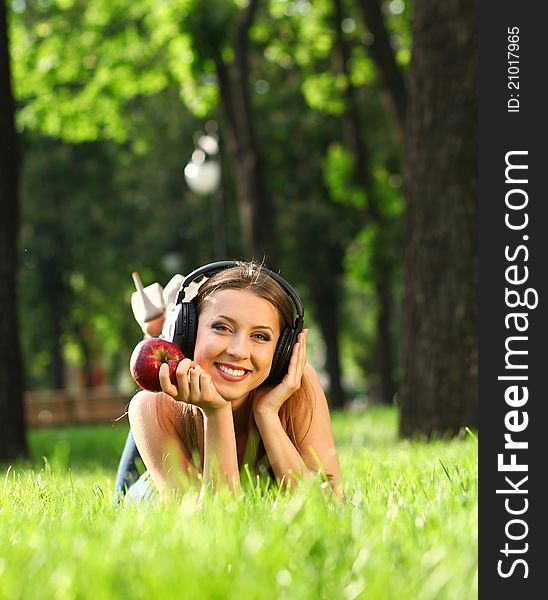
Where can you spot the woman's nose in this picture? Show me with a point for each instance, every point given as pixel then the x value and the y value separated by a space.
pixel 238 347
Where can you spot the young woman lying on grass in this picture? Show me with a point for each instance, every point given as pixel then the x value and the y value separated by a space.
pixel 231 406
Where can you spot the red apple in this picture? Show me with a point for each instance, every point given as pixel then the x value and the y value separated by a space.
pixel 146 359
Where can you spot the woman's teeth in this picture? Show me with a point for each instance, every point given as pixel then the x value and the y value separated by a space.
pixel 230 371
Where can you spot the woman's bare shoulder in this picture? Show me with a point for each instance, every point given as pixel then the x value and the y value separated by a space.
pixel 312 378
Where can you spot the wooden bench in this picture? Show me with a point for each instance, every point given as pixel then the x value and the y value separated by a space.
pixel 65 407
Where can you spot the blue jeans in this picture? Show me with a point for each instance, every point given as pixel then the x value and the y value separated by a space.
pixel 127 473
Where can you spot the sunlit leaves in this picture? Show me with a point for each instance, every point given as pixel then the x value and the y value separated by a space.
pixel 75 52
pixel 305 36
pixel 65 4
pixel 73 79
pixel 361 67
pixel 78 64
pixel 397 14
pixel 324 92
pixel 198 93
pixel 302 29
pixel 339 168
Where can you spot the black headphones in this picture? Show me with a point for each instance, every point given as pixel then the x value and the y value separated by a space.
pixel 183 321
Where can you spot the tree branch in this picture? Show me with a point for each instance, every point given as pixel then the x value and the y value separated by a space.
pixel 383 55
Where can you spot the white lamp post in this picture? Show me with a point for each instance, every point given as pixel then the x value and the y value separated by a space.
pixel 203 177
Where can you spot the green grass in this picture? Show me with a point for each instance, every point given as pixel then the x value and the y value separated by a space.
pixel 408 528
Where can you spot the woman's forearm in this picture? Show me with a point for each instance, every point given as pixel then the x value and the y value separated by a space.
pixel 284 458
pixel 220 453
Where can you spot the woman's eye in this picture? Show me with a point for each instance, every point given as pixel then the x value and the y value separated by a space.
pixel 219 327
pixel 263 337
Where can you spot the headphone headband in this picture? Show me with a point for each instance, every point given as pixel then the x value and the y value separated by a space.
pixel 215 267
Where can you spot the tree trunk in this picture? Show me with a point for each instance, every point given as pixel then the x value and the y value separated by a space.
pixel 356 144
pixel 382 53
pixel 229 132
pixel 327 311
pixel 82 335
pixel 256 209
pixel 12 420
pixel 53 291
pixel 58 361
pixel 438 394
pixel 385 347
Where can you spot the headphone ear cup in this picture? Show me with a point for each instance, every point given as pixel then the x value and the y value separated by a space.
pixel 189 327
pixel 282 355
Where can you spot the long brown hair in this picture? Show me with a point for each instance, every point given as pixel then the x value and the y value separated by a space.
pixel 248 276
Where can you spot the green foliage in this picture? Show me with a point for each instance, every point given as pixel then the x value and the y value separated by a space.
pixel 398 17
pixel 303 35
pixel 361 67
pixel 89 60
pixel 86 59
pixel 323 91
pixel 407 530
pixel 194 36
pixel 339 171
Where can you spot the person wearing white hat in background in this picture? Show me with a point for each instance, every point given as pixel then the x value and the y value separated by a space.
pixel 150 305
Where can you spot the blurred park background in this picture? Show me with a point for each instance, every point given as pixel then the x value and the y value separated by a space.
pixel 343 135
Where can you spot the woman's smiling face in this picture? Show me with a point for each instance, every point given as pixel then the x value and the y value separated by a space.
pixel 235 342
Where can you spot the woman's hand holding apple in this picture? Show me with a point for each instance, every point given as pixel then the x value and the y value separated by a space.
pixel 194 386
pixel 147 358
